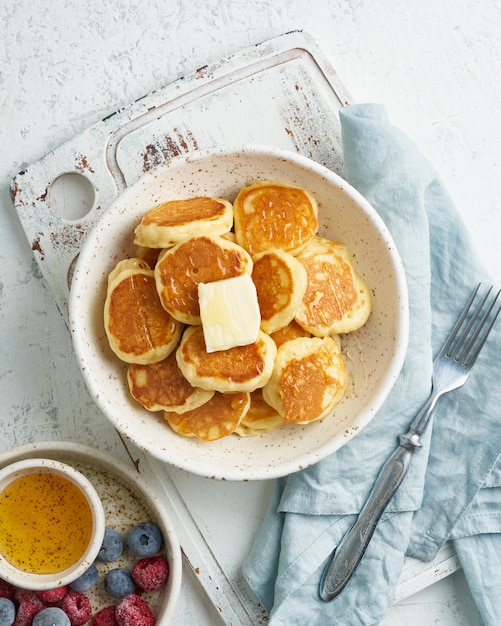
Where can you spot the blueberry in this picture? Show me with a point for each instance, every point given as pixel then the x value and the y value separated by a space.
pixel 86 581
pixel 118 583
pixel 52 616
pixel 112 546
pixel 7 612
pixel 145 539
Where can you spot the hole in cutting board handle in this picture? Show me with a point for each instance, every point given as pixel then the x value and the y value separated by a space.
pixel 71 196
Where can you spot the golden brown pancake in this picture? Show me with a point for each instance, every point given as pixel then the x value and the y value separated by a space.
pixel 243 368
pixel 176 220
pixel 134 263
pixel 280 282
pixel 217 418
pixel 337 299
pixel 274 214
pixel 180 269
pixel 291 331
pixel 309 378
pixel 162 387
pixel 260 418
pixel 138 328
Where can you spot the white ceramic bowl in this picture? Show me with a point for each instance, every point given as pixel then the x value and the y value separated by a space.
pixel 22 471
pixel 376 352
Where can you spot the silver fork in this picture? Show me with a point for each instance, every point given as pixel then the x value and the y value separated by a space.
pixel 451 368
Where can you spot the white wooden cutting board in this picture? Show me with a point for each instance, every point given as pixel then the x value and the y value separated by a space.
pixel 281 92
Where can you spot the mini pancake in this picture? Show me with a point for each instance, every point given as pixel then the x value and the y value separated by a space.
pixel 176 220
pixel 336 300
pixel 217 418
pixel 162 387
pixel 274 214
pixel 260 418
pixel 280 281
pixel 309 378
pixel 134 263
pixel 138 328
pixel 243 368
pixel 181 268
pixel 291 331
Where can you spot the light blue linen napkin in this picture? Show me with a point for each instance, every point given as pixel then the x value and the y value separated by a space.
pixel 311 510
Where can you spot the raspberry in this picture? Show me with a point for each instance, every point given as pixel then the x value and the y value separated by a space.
pixel 77 607
pixel 133 611
pixel 6 589
pixel 145 539
pixel 112 546
pixel 150 573
pixel 105 617
pixel 52 596
pixel 29 605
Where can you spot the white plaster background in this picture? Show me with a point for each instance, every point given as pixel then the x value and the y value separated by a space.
pixel 65 64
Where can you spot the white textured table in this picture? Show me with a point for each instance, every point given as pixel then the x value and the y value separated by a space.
pixel 66 65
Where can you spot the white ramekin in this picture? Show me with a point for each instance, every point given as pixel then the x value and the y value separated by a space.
pixel 34 581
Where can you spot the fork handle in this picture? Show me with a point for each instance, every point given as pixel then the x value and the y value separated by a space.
pixel 348 554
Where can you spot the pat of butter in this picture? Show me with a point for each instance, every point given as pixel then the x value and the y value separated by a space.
pixel 229 311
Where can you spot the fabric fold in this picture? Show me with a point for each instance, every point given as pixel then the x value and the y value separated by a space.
pixel 311 510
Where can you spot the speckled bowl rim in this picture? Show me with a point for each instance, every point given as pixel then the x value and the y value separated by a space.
pixel 70 451
pixel 222 171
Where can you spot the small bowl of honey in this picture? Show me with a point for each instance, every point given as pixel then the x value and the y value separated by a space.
pixel 52 524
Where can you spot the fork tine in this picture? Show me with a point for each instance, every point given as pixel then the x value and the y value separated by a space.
pixel 470 358
pixel 446 348
pixel 463 344
pixel 467 348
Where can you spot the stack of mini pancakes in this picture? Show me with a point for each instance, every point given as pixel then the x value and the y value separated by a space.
pixel 307 289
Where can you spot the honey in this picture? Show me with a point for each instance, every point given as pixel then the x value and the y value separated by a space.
pixel 45 523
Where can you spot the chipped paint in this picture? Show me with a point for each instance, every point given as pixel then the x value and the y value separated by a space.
pixel 36 247
pixel 82 164
pixel 167 148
